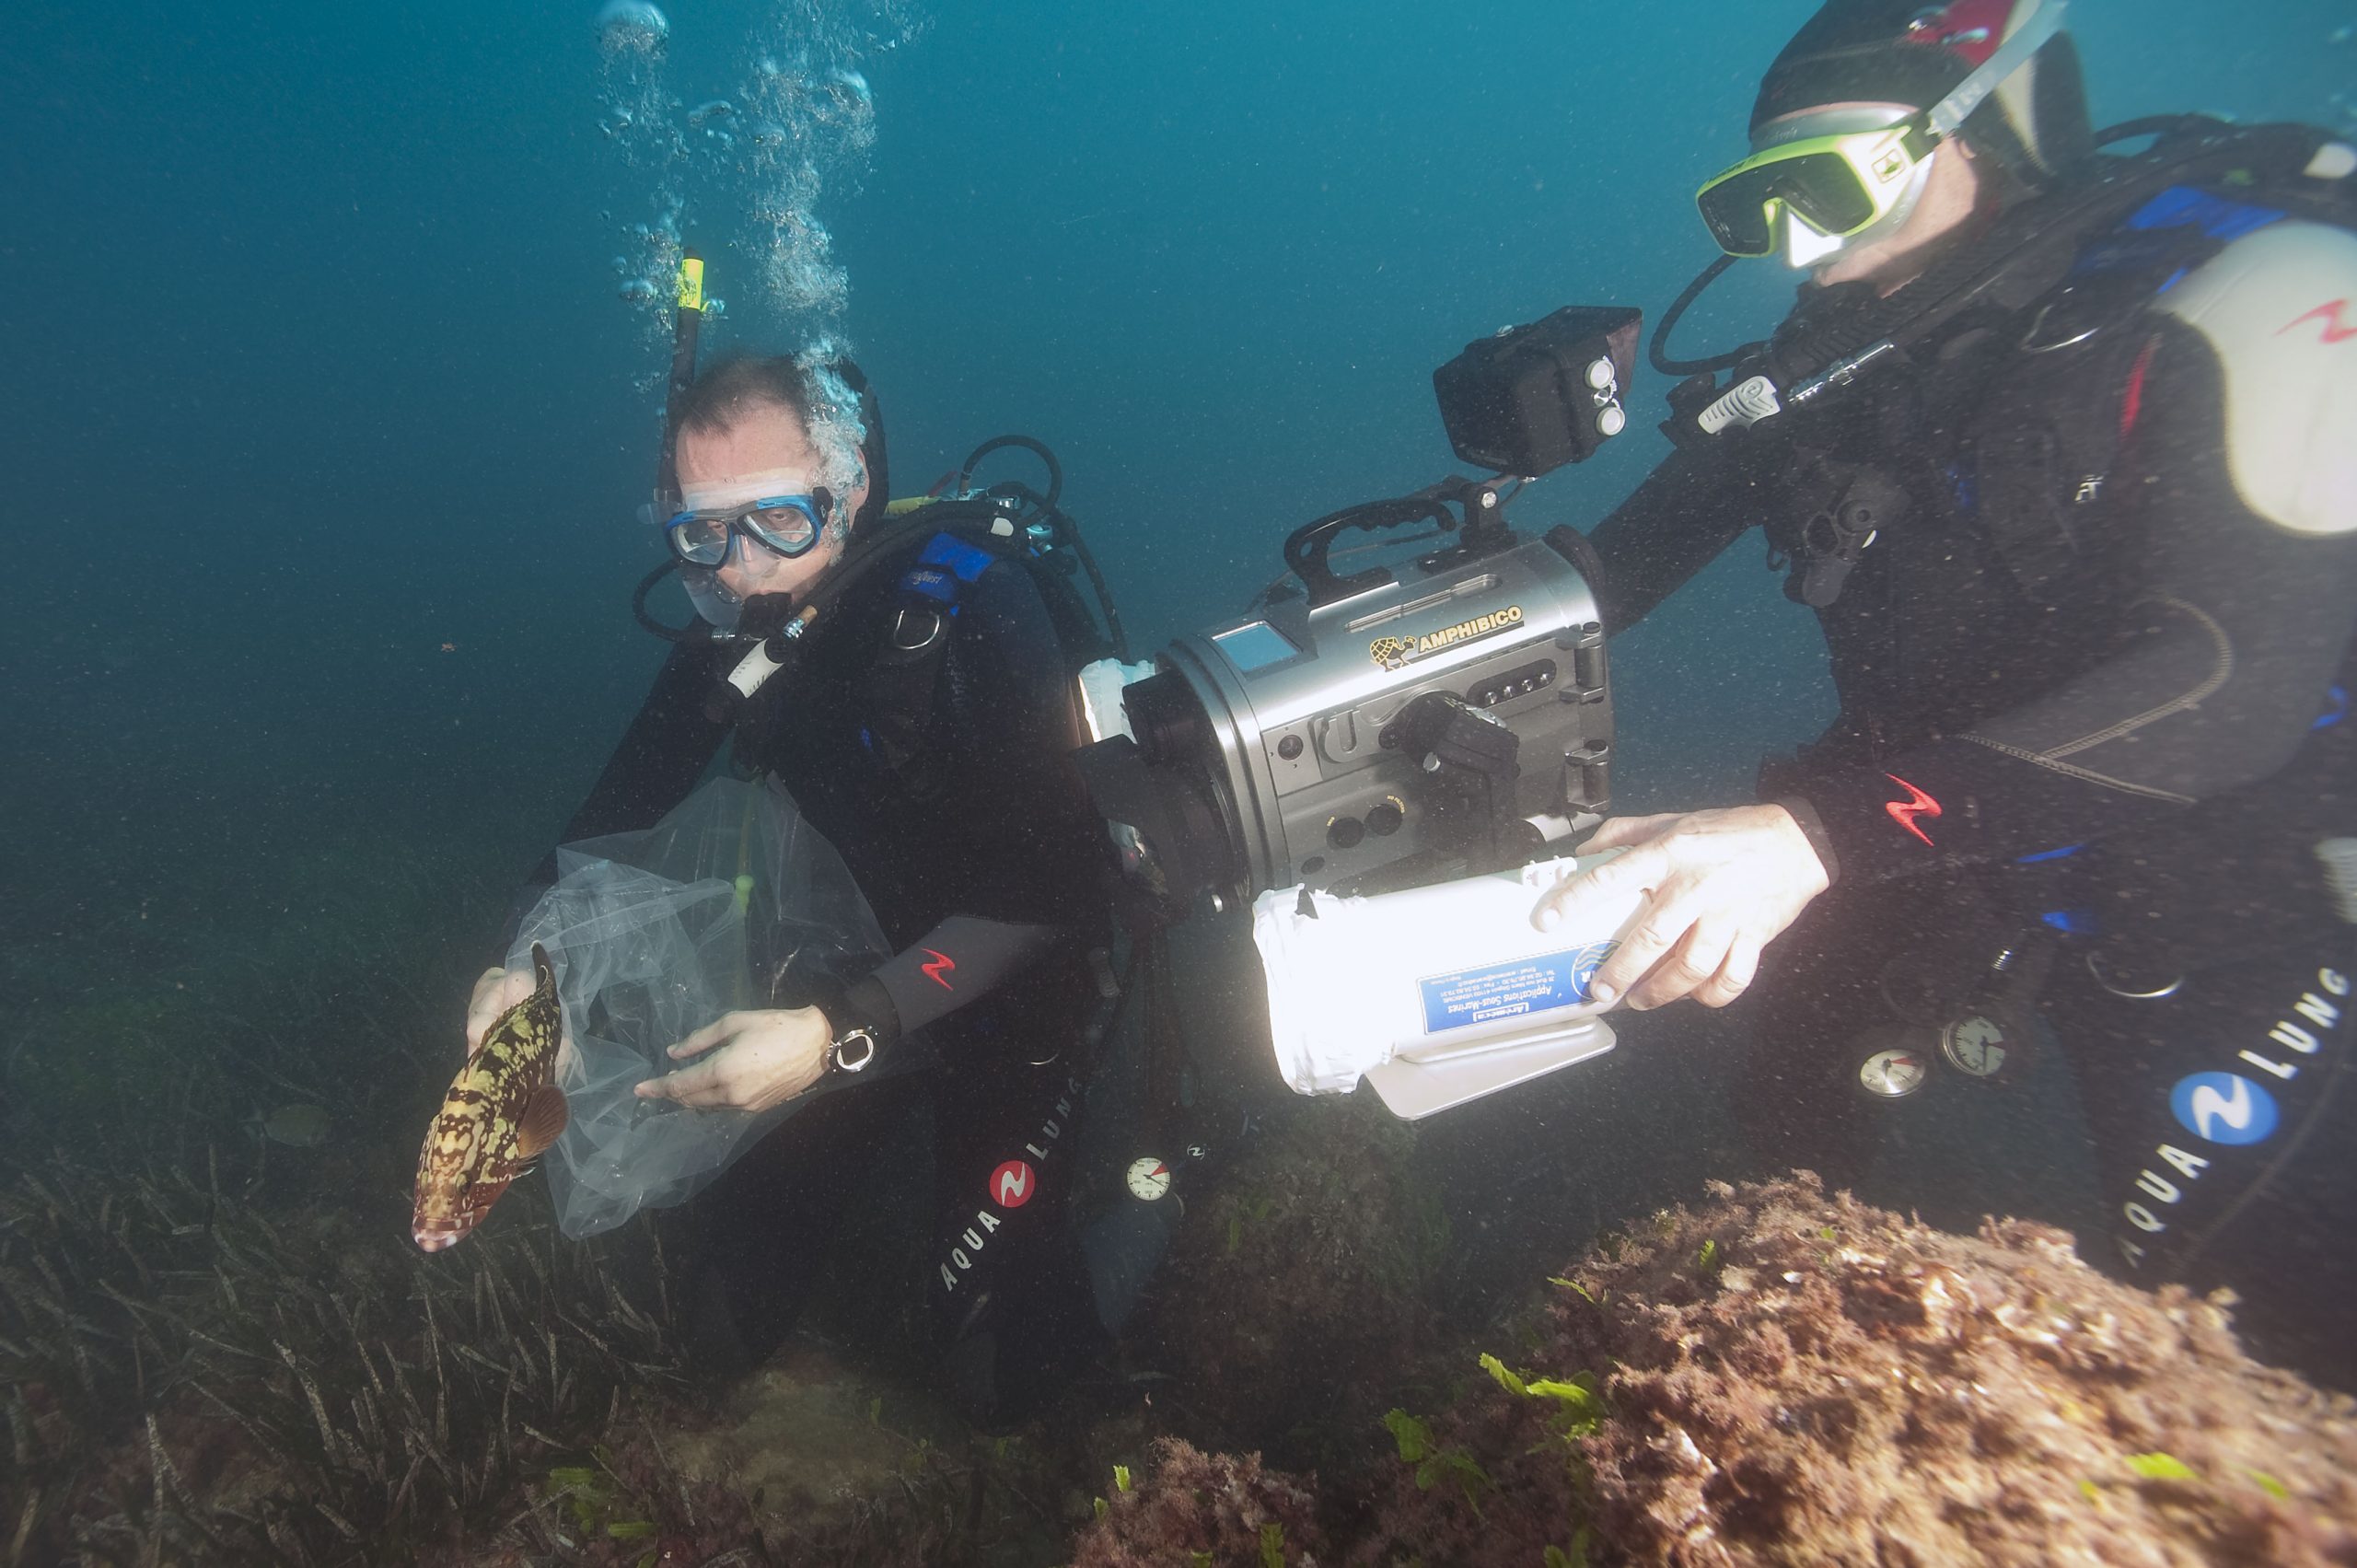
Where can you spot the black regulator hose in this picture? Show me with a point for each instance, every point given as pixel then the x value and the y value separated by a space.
pixel 693 632
pixel 1066 533
pixel 1038 448
pixel 1657 349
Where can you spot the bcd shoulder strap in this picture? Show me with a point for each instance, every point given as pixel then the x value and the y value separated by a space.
pixel 903 684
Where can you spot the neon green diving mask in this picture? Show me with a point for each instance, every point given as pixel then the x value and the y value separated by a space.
pixel 1846 182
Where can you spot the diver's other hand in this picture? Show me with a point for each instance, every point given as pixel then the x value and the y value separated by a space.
pixel 769 1058
pixel 495 992
pixel 1719 886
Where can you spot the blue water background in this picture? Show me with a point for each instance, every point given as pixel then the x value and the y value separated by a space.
pixel 312 364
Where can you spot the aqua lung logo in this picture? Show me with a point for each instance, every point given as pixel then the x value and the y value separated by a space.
pixel 2229 1110
pixel 1012 1185
pixel 2224 1108
pixel 1396 653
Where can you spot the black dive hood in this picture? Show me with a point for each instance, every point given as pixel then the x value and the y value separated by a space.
pixel 2020 260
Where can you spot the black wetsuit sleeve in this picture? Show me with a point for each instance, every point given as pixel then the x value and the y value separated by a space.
pixel 1680 520
pixel 959 961
pixel 2227 662
pixel 662 755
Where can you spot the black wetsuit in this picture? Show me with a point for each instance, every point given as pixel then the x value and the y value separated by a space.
pixel 2092 720
pixel 949 794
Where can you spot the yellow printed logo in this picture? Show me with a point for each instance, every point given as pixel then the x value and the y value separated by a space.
pixel 1395 653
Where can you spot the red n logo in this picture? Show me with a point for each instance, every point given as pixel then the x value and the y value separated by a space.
pixel 1904 812
pixel 2329 314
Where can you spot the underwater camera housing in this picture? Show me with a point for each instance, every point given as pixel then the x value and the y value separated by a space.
pixel 1392 727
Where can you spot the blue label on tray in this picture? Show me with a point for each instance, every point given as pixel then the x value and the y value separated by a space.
pixel 1508 991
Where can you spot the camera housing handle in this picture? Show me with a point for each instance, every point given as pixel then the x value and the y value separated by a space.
pixel 1307 546
pixel 1482 530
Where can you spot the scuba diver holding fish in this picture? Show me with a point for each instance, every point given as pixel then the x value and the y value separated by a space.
pixel 904 673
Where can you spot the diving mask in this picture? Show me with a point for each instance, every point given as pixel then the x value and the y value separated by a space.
pixel 791 524
pixel 779 510
pixel 1839 186
pixel 1827 191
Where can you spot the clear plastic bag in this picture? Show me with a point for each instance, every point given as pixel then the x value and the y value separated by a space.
pixel 733 901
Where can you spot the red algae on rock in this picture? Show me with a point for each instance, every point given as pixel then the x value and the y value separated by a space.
pixel 1190 1506
pixel 1798 1379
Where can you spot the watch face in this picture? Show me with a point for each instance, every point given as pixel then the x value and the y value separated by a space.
pixel 1974 1044
pixel 853 1051
pixel 1891 1074
pixel 1149 1177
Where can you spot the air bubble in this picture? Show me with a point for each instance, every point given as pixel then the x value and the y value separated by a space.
pixel 852 88
pixel 631 27
pixel 752 167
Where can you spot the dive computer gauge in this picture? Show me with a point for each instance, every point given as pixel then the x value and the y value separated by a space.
pixel 1975 1044
pixel 1149 1177
pixel 1894 1074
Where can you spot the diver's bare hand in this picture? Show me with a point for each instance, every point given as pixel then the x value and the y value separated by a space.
pixel 1719 886
pixel 495 992
pixel 768 1058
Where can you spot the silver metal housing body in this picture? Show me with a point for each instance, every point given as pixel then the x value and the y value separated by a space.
pixel 1313 794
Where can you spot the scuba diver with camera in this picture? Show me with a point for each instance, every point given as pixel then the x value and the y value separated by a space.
pixel 2058 446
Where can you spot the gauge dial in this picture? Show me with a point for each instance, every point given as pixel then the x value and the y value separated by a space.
pixel 1975 1044
pixel 1149 1177
pixel 1892 1075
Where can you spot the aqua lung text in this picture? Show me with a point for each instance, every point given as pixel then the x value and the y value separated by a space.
pixel 977 1236
pixel 2300 1032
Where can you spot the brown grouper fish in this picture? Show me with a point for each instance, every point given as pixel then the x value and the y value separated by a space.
pixel 504 1108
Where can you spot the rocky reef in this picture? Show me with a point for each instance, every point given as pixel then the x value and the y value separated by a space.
pixel 1786 1377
